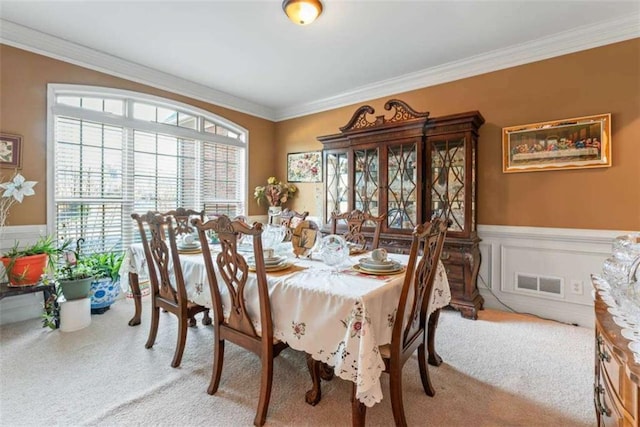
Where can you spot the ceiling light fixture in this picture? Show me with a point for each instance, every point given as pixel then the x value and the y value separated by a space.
pixel 302 12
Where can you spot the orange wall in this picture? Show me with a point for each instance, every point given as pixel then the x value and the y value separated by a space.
pixel 601 80
pixel 23 110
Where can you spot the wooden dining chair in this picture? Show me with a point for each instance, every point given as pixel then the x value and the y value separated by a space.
pixel 238 326
pixel 355 221
pixel 410 325
pixel 168 291
pixel 182 218
pixel 290 219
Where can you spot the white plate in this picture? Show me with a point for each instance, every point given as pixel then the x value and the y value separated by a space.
pixel 274 260
pixel 363 270
pixel 380 267
pixel 615 311
pixel 372 261
pixel 630 334
pixel 194 245
pixel 635 347
pixel 620 321
pixel 271 268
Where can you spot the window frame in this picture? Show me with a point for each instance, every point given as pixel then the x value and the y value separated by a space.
pixel 126 121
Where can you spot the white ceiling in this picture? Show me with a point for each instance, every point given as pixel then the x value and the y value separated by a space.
pixel 248 56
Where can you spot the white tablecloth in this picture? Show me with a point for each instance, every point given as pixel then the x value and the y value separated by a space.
pixel 338 318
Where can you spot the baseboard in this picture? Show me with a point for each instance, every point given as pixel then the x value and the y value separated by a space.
pixel 569 256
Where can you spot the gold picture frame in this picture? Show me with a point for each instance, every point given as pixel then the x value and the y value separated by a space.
pixel 576 143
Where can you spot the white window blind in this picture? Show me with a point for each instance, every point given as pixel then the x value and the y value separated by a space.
pixel 117 152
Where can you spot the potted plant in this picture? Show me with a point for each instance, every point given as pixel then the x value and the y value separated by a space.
pixel 74 276
pixel 25 266
pixel 105 287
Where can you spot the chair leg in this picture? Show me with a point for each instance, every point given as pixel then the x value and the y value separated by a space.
pixel 434 357
pixel 313 396
pixel 218 359
pixel 424 371
pixel 182 339
pixel 192 321
pixel 395 384
pixel 153 329
pixel 358 409
pixel 265 389
pixel 206 319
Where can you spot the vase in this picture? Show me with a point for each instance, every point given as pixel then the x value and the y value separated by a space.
pixel 103 293
pixel 76 289
pixel 26 270
pixel 274 214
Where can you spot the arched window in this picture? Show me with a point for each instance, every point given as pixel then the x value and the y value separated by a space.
pixel 113 152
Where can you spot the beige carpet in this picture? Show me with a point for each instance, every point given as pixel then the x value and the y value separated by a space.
pixel 502 370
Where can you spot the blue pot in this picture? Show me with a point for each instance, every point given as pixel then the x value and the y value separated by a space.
pixel 103 292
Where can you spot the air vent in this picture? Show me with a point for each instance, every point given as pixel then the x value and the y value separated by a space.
pixel 539 284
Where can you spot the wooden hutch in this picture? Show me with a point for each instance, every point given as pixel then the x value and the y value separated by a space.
pixel 412 168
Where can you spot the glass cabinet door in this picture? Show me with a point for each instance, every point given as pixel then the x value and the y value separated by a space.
pixel 366 181
pixel 337 180
pixel 402 187
pixel 447 182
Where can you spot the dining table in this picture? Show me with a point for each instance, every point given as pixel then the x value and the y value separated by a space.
pixel 337 315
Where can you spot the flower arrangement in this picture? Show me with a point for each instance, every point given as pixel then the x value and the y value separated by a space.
pixel 15 190
pixel 276 193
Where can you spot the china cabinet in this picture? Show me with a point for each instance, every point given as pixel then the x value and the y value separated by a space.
pixel 411 168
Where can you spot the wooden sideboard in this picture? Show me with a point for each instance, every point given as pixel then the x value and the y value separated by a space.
pixel 617 377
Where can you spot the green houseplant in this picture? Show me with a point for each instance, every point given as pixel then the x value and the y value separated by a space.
pixel 25 266
pixel 74 275
pixel 105 287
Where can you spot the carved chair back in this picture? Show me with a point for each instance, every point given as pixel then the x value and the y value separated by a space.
pixel 356 220
pixel 411 315
pixel 182 218
pixel 234 271
pixel 162 257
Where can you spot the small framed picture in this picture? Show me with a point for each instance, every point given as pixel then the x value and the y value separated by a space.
pixel 10 151
pixel 304 167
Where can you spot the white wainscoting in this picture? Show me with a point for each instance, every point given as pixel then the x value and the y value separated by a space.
pixel 20 307
pixel 570 255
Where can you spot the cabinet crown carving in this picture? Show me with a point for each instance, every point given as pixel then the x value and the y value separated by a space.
pixel 402 112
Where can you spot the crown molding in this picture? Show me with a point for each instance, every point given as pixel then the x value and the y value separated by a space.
pixel 575 40
pixel 581 38
pixel 16 35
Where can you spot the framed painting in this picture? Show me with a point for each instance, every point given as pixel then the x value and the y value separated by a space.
pixel 304 167
pixel 581 142
pixel 10 151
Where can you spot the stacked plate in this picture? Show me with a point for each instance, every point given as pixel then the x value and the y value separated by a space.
pixel 189 247
pixel 369 265
pixel 273 263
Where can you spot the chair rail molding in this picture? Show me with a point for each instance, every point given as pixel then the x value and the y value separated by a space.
pixel 565 256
